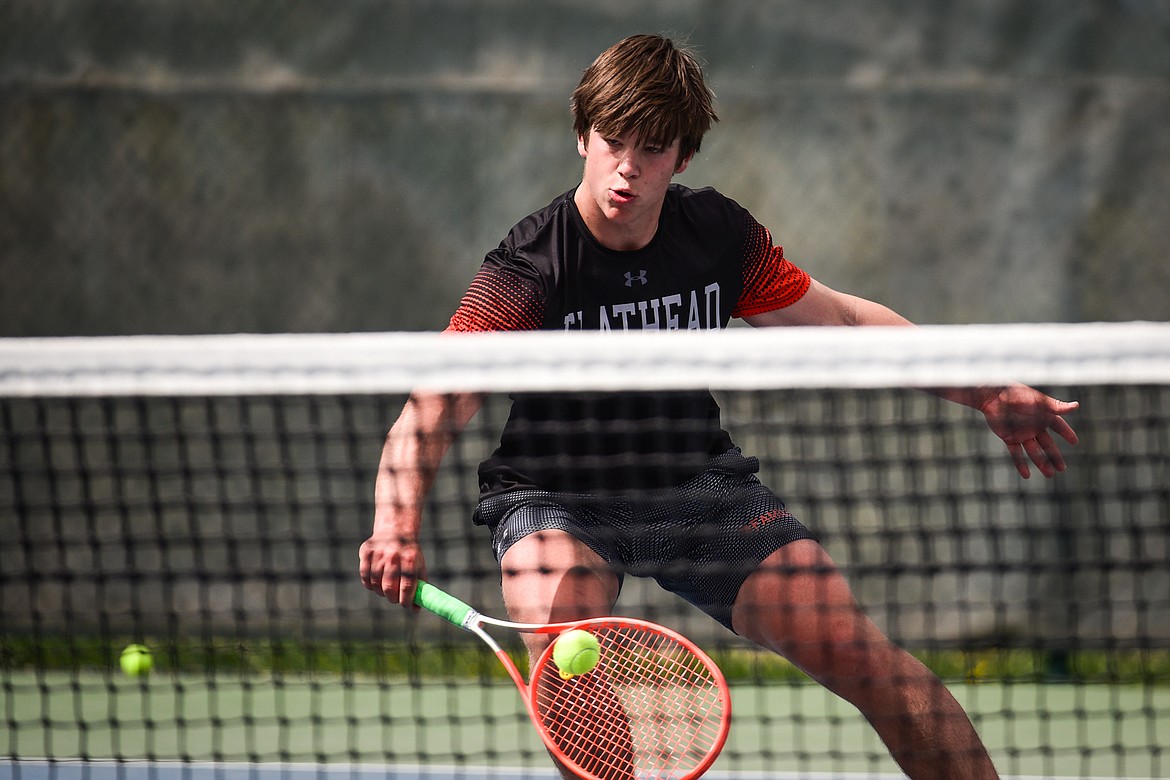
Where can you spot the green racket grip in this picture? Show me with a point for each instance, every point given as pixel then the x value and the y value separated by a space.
pixel 442 604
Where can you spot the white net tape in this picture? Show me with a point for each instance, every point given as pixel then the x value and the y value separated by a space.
pixel 734 359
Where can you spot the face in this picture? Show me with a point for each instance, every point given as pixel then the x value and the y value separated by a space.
pixel 623 187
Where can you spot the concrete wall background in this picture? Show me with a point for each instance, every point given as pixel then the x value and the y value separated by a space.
pixel 317 166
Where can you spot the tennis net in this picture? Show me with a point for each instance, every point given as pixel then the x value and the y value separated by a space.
pixel 206 497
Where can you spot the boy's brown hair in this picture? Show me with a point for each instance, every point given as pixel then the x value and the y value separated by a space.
pixel 647 85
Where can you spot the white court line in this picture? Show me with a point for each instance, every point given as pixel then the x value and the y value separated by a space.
pixel 108 769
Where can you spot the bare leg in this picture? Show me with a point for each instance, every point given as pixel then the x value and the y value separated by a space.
pixel 797 604
pixel 549 577
pixel 552 577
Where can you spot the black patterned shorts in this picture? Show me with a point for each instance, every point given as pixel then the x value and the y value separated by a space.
pixel 699 540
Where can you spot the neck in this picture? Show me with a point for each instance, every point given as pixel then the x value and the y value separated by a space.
pixel 613 235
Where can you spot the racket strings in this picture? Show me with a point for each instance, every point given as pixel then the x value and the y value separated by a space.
pixel 587 720
pixel 651 708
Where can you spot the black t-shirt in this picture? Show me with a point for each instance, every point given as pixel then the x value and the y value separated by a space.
pixel 709 261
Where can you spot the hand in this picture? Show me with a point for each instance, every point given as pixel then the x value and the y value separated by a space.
pixel 391 564
pixel 1023 417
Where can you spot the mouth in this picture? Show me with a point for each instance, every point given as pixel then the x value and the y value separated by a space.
pixel 622 196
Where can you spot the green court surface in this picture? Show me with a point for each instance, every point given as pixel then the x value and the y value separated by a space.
pixel 790 729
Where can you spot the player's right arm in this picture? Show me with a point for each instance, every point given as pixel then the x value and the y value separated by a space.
pixel 504 295
pixel 391 561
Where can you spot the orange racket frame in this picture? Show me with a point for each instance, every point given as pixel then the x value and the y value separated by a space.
pixel 655 706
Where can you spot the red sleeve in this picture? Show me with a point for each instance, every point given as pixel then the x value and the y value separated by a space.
pixel 499 299
pixel 770 281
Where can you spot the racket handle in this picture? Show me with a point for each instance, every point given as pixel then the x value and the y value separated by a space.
pixel 442 604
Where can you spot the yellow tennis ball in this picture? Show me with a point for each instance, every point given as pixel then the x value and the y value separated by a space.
pixel 136 660
pixel 576 652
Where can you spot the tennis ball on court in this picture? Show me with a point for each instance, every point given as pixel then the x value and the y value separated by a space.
pixel 136 660
pixel 576 652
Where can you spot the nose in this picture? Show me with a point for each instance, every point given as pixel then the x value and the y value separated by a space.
pixel 628 165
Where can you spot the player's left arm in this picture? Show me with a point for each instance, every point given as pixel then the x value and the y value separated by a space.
pixel 1023 417
pixel 822 305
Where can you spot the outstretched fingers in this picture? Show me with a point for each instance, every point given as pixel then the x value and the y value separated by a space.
pixel 1042 449
pixel 1026 420
pixel 1060 426
pixel 1044 453
pixel 1020 459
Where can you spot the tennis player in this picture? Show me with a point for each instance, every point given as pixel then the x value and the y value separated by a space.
pixel 584 489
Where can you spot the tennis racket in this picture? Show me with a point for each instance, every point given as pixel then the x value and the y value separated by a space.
pixel 655 706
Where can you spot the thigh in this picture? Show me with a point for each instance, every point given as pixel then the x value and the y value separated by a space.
pixel 797 603
pixel 551 576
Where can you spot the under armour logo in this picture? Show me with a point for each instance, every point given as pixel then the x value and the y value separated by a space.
pixel 630 278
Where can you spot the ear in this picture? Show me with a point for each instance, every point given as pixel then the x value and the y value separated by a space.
pixel 682 166
pixel 582 146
